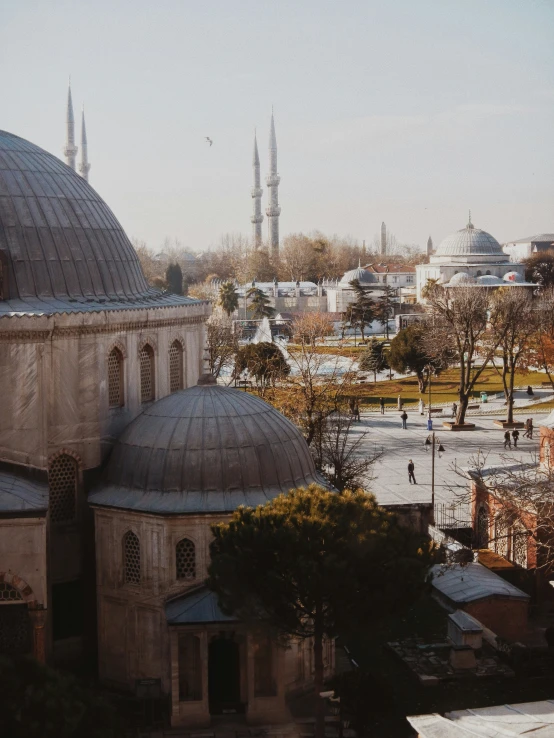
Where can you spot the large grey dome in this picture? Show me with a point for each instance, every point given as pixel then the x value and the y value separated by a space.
pixel 362 275
pixel 58 238
pixel 206 449
pixel 470 241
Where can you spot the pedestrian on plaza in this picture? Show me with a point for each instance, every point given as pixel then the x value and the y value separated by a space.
pixel 382 405
pixel 421 407
pixel 454 410
pixel 411 468
pixel 528 428
pixel 530 390
pixel 507 440
pixel 404 418
pixel 515 436
pixel 356 410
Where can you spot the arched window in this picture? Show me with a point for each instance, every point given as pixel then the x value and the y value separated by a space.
pixel 175 367
pixel 185 559
pixel 62 484
pixel 482 528
pixel 488 271
pixel 501 532
pixel 115 378
pixel 479 273
pixel 146 359
pixel 131 558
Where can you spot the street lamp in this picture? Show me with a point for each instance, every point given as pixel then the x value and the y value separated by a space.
pixel 434 442
pixel 430 372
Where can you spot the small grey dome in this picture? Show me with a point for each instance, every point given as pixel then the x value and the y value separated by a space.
pixel 469 241
pixel 513 277
pixel 461 278
pixel 362 275
pixel 206 449
pixel 489 280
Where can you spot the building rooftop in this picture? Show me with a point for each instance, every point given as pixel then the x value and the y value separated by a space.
pixel 540 238
pixel 390 268
pixel 199 606
pixel 469 241
pixel 18 495
pixel 472 582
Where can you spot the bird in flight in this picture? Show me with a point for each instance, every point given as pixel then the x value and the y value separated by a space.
pixel 209 140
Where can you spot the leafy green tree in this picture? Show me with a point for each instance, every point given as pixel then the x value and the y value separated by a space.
pixel 174 278
pixel 264 361
pixel 539 268
pixel 258 304
pixel 374 358
pixel 315 564
pixel 385 307
pixel 362 311
pixel 407 353
pixel 228 297
pixel 40 702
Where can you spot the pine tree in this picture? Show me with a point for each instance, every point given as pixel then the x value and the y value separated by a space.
pixel 174 279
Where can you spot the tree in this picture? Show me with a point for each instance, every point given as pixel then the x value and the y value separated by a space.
pixel 228 297
pixel 407 353
pixel 40 702
pixel 539 268
pixel 374 358
pixel 513 323
pixel 362 311
pixel 316 564
pixel 174 279
pixel 259 304
pixel 455 333
pixel 222 341
pixel 385 307
pixel 264 361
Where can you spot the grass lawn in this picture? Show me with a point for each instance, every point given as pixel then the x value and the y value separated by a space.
pixel 400 693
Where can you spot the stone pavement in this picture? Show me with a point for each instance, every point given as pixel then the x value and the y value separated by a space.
pixel 391 485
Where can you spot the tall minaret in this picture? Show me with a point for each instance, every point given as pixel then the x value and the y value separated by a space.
pixel 257 192
pixel 84 166
pixel 383 239
pixel 70 150
pixel 429 246
pixel 273 211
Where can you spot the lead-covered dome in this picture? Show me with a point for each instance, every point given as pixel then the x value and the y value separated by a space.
pixel 470 241
pixel 59 241
pixel 206 449
pixel 361 274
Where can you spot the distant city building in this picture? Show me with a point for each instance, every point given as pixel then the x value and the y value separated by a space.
pixel 469 256
pixel 341 294
pixel 526 247
pixel 393 274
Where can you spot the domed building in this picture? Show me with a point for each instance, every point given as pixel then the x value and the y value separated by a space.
pixel 184 464
pixel 85 347
pixel 464 257
pixel 340 294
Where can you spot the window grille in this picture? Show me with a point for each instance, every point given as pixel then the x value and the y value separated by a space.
pixel 131 557
pixel 175 367
pixel 15 629
pixel 9 593
pixel 146 374
pixel 185 553
pixel 62 483
pixel 115 378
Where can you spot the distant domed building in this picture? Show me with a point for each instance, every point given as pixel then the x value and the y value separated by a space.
pixel 85 347
pixel 465 257
pixel 185 463
pixel 340 293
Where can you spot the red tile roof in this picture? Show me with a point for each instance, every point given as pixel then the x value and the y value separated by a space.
pixel 390 268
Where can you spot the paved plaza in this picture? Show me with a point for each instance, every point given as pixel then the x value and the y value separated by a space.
pixel 391 485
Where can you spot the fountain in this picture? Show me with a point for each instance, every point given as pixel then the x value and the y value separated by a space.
pixel 263 332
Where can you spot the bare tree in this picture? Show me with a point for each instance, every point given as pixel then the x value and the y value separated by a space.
pixel 455 333
pixel 221 342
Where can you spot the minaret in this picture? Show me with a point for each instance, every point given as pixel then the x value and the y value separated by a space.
pixel 429 246
pixel 383 239
pixel 273 211
pixel 70 150
pixel 257 192
pixel 84 166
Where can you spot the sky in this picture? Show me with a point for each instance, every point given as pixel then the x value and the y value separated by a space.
pixel 408 112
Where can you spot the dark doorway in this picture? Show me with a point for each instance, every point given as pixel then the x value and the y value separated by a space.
pixel 224 676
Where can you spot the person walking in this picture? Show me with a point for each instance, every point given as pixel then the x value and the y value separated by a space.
pixel 356 412
pixel 515 436
pixel 507 440
pixel 404 418
pixel 411 468
pixel 454 410
pixel 382 405
pixel 528 428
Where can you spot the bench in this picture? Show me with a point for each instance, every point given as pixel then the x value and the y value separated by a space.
pixel 436 411
pixel 474 407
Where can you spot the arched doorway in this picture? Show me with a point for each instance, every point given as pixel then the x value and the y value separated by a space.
pixel 224 675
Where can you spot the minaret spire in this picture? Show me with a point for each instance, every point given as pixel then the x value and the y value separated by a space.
pixel 70 150
pixel 84 166
pixel 429 246
pixel 273 210
pixel 383 239
pixel 257 192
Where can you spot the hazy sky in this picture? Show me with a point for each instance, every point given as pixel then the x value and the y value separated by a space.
pixel 407 111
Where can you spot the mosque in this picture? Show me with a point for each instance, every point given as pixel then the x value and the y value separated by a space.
pixel 470 257
pixel 115 460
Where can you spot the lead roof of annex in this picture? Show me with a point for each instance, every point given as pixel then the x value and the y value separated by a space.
pixel 61 245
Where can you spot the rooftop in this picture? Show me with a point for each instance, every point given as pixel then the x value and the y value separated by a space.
pixel 472 582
